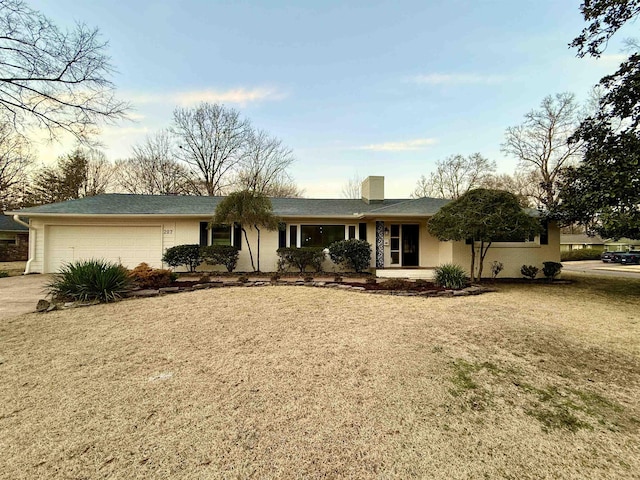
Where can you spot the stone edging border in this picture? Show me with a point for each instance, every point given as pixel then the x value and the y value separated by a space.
pixel 46 306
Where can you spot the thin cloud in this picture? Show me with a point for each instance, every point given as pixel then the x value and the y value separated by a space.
pixel 408 145
pixel 238 96
pixel 458 79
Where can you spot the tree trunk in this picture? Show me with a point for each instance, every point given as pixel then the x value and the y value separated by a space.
pixel 473 261
pixel 246 239
pixel 483 253
pixel 258 253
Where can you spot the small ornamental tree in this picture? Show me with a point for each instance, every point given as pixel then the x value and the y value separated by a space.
pixel 188 255
pixel 355 254
pixel 481 216
pixel 248 209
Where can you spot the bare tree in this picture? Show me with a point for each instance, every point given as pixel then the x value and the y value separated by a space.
pixel 541 142
pixel 152 170
pixel 454 176
pixel 53 79
pixel 525 185
pixel 15 160
pixel 82 173
pixel 264 167
pixel 211 140
pixel 352 189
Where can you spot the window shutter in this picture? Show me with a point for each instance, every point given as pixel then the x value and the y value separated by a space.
pixel 282 236
pixel 544 234
pixel 204 234
pixel 362 234
pixel 237 236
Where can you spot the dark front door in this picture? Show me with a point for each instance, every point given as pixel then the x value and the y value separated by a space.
pixel 410 241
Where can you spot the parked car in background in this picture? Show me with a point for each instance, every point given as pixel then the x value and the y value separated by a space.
pixel 630 258
pixel 611 257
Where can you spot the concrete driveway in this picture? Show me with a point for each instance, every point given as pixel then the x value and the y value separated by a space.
pixel 597 267
pixel 20 294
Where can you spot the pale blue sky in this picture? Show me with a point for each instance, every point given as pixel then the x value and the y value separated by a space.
pixel 368 87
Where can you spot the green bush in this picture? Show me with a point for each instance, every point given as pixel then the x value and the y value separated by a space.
pixel 90 280
pixel 4 274
pixel 354 254
pixel 529 271
pixel 451 276
pixel 226 255
pixel 145 276
pixel 551 269
pixel 188 255
pixel 301 258
pixel 581 254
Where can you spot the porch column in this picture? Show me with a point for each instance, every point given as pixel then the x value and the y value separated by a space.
pixel 379 244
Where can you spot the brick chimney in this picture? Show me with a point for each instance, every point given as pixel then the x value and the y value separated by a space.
pixel 373 190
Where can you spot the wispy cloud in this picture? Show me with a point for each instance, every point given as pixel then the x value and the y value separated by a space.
pixel 408 145
pixel 238 96
pixel 457 79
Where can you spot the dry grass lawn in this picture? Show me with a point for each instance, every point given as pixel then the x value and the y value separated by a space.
pixel 292 382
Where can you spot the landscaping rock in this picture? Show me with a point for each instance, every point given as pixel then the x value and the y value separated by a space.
pixel 51 307
pixel 170 290
pixel 461 293
pixel 42 305
pixel 144 293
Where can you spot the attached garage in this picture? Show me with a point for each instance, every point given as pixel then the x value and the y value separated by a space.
pixel 127 245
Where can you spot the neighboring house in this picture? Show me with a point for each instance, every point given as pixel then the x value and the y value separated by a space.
pixel 130 229
pixel 621 245
pixel 569 242
pixel 14 240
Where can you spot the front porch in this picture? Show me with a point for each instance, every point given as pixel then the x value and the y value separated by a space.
pixel 413 273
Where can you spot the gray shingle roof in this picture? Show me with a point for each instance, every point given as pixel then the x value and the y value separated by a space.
pixel 125 204
pixel 8 225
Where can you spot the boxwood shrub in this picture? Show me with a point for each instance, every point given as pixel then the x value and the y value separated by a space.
pixel 226 255
pixel 188 255
pixel 354 254
pixel 301 258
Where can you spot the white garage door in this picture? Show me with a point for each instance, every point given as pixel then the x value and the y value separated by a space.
pixel 128 246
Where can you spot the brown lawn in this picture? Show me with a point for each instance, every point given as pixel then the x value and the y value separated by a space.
pixel 293 382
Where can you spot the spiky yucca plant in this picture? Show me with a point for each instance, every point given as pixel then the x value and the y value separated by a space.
pixel 88 280
pixel 451 276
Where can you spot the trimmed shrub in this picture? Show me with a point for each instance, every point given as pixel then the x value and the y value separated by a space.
pixel 451 276
pixel 145 276
pixel 581 254
pixel 354 254
pixel 226 255
pixel 529 271
pixel 496 268
pixel 301 258
pixel 188 255
pixel 4 274
pixel 551 269
pixel 90 280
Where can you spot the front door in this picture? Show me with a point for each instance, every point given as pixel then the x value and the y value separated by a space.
pixel 410 241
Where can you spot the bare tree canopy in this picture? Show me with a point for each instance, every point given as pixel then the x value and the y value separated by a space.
pixel 53 79
pixel 264 167
pixel 541 142
pixel 525 185
pixel 211 140
pixel 352 189
pixel 454 176
pixel 15 159
pixel 82 173
pixel 152 170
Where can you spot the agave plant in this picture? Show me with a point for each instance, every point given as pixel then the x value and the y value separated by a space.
pixel 90 280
